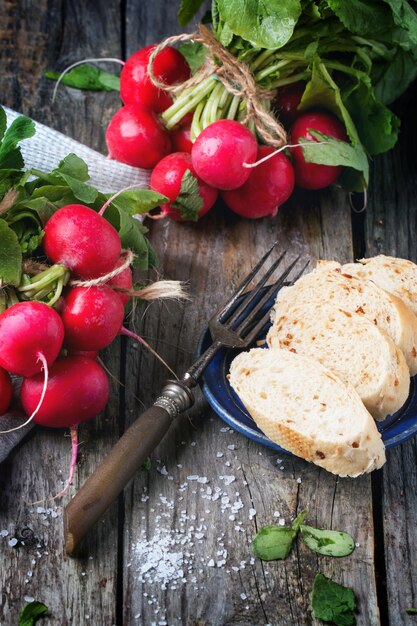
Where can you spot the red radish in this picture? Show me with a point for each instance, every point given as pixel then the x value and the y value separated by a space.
pixel 181 140
pixel 219 152
pixel 31 336
pixel 77 237
pixel 288 100
pixel 269 185
pixel 124 280
pixel 92 317
pixel 313 175
pixel 167 178
pixel 6 391
pixel 91 354
pixel 136 87
pixel 136 137
pixel 77 390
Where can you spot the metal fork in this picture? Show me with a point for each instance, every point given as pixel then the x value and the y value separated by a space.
pixel 232 327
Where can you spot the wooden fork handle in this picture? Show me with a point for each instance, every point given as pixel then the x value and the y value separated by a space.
pixel 118 467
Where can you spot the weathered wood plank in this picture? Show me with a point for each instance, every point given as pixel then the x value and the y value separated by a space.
pixel 35 37
pixel 391 229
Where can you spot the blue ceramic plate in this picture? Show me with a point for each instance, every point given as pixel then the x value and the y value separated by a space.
pixel 395 429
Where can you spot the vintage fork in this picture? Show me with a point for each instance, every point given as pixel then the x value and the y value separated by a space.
pixel 232 327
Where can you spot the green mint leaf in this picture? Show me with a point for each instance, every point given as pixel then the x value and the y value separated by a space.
pixel 187 10
pixel 87 77
pixel 332 602
pixel 10 155
pixel 327 542
pixel 334 152
pixel 139 201
pixel 273 543
pixel 31 612
pixel 10 256
pixel 411 611
pixel 195 54
pixel 265 24
pixel 189 202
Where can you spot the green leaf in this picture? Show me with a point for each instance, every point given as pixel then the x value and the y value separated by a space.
pixel 264 23
pixel 189 201
pixel 31 612
pixel 327 542
pixel 83 192
pixel 405 17
pixel 73 166
pixel 393 78
pixel 298 521
pixel 332 602
pixel 131 232
pixel 10 256
pixel 334 152
pixel 273 542
pixel 411 611
pixel 187 10
pixel 3 122
pixel 10 155
pixel 362 17
pixel 195 54
pixel 87 77
pixel 139 201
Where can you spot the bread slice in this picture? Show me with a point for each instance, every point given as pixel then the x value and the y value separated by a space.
pixel 352 347
pixel 303 407
pixel 385 310
pixel 397 276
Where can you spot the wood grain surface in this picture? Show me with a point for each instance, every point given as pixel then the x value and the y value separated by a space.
pixel 176 548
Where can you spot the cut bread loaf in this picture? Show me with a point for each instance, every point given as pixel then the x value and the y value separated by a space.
pixel 307 410
pixel 349 345
pixel 397 276
pixel 364 297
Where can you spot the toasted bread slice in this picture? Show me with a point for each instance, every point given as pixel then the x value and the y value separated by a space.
pixel 306 409
pixel 397 276
pixel 385 310
pixel 352 347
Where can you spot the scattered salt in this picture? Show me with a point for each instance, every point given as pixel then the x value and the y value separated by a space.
pixel 13 542
pixel 252 513
pixel 4 533
pixel 243 596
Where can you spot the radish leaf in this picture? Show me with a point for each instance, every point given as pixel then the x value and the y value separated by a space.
pixel 189 202
pixel 139 201
pixel 87 77
pixel 10 256
pixel 187 10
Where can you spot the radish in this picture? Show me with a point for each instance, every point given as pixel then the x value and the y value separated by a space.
pixel 269 185
pixel 92 317
pixel 77 237
pixel 314 175
pixel 136 86
pixel 190 198
pixel 6 391
pixel 219 152
pixel 78 390
pixel 31 336
pixel 136 137
pixel 288 101
pixel 181 139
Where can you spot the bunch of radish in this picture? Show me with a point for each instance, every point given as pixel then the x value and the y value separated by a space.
pixel 55 349
pixel 253 180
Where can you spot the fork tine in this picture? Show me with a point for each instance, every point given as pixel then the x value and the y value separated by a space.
pixel 251 336
pixel 255 291
pixel 269 293
pixel 246 281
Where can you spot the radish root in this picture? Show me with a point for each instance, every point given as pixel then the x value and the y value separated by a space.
pixel 289 145
pixel 129 333
pixel 41 399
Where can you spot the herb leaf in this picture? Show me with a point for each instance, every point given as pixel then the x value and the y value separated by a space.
pixel 10 256
pixel 187 10
pixel 411 611
pixel 327 542
pixel 31 612
pixel 332 602
pixel 87 77
pixel 189 201
pixel 273 542
pixel 264 23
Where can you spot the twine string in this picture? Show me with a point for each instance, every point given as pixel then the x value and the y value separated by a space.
pixel 101 280
pixel 236 78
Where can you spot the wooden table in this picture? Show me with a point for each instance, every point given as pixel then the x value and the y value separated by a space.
pixel 209 489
